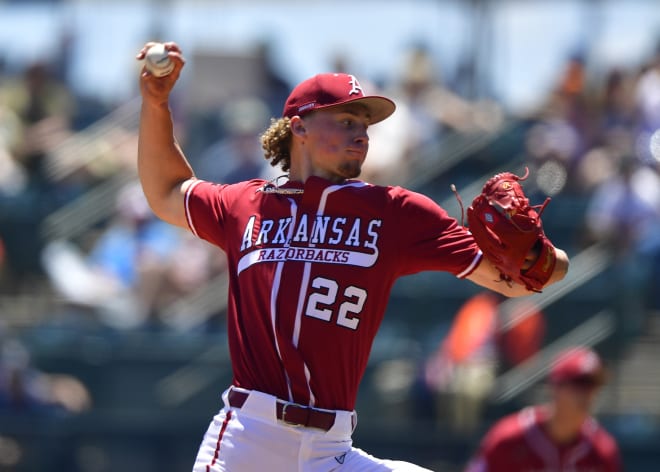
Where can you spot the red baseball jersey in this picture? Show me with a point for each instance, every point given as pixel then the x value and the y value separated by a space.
pixel 518 443
pixel 310 272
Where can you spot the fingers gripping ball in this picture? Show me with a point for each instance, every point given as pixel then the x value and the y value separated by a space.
pixel 508 229
pixel 157 61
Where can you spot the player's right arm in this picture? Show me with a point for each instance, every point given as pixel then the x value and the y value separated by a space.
pixel 164 172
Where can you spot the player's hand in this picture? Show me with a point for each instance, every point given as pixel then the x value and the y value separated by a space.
pixel 156 90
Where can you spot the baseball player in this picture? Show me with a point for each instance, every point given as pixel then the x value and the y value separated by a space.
pixel 311 261
pixel 560 436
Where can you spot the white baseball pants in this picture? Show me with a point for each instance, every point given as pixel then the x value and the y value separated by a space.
pixel 252 439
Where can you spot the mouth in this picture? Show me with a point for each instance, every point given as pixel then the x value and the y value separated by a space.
pixel 360 153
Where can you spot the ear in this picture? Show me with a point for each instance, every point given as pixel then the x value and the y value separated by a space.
pixel 298 126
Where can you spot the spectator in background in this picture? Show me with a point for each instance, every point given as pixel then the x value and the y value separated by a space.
pixel 133 251
pixel 617 102
pixel 434 106
pixel 31 397
pixel 624 213
pixel 485 337
pixel 615 124
pixel 560 435
pixel 561 130
pixel 12 175
pixel 237 155
pixel 427 112
pixel 45 107
pixel 461 371
pixel 136 267
pixel 24 388
pixel 647 100
pixel 275 88
pixel 647 94
pixel 35 114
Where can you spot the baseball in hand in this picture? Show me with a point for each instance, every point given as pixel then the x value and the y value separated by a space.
pixel 655 145
pixel 157 61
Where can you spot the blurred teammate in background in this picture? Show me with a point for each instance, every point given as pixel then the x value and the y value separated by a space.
pixel 559 436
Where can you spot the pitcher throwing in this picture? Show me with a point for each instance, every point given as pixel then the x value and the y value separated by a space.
pixel 311 262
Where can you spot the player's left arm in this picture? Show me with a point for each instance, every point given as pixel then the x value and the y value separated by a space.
pixel 488 276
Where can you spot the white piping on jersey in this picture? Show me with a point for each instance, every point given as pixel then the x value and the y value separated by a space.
pixel 296 327
pixel 577 453
pixel 538 441
pixel 308 376
pixel 583 447
pixel 301 302
pixel 273 317
pixel 273 298
pixel 187 206
pixel 305 281
pixel 472 265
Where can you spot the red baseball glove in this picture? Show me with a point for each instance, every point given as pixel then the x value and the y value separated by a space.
pixel 508 229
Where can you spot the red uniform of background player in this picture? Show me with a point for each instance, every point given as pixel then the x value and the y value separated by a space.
pixel 311 263
pixel 560 436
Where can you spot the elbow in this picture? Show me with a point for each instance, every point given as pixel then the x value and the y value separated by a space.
pixel 169 214
pixel 157 208
pixel 168 205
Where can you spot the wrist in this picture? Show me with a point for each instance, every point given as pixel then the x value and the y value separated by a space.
pixel 151 105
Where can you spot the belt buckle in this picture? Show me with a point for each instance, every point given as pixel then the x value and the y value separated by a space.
pixel 291 423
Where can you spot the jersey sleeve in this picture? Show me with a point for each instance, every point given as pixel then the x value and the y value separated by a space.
pixel 205 211
pixel 432 240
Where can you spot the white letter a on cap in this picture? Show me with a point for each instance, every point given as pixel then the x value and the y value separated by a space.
pixel 355 86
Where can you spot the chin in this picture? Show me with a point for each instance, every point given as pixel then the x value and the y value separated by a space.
pixel 351 171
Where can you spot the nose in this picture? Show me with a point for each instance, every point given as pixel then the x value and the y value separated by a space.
pixel 362 136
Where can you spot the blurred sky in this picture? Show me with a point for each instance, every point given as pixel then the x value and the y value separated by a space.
pixel 523 43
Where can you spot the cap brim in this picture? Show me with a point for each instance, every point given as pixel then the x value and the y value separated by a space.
pixel 378 107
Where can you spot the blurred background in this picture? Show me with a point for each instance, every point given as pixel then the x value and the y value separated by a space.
pixel 112 338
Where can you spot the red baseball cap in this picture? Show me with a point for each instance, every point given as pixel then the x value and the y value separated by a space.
pixel 578 365
pixel 332 89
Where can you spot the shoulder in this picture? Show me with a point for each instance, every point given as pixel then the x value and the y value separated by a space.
pixel 499 445
pixel 252 183
pixel 510 429
pixel 213 199
pixel 201 187
pixel 392 197
pixel 602 441
pixel 413 202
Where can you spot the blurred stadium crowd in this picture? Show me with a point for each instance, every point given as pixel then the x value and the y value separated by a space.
pixel 80 248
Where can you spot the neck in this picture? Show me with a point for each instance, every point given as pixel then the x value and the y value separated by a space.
pixel 564 427
pixel 302 169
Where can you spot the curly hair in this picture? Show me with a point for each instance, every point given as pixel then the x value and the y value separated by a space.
pixel 276 142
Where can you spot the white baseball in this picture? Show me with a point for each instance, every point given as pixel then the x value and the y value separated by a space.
pixel 655 145
pixel 157 61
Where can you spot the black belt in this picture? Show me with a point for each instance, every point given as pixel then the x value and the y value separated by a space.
pixel 290 413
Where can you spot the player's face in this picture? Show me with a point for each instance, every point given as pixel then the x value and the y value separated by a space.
pixel 337 142
pixel 576 397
